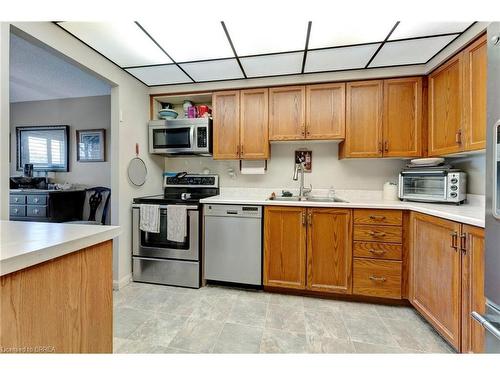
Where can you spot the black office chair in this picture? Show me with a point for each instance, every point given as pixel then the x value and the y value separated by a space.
pixel 95 206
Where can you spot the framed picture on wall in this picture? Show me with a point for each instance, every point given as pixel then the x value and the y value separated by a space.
pixel 91 145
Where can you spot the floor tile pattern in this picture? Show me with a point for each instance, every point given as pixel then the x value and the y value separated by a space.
pixel 214 319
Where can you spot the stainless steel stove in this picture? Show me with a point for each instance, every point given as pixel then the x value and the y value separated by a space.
pixel 157 260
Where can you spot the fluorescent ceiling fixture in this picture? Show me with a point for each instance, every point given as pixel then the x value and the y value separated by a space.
pixel 409 29
pixel 160 75
pixel 213 70
pixel 340 58
pixel 270 65
pixel 122 42
pixel 184 42
pixel 415 51
pixel 332 34
pixel 257 37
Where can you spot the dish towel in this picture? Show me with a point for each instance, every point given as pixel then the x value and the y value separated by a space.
pixel 149 220
pixel 176 222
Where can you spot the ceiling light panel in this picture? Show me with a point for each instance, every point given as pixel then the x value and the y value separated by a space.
pixel 183 42
pixel 213 70
pixel 332 34
pixel 250 38
pixel 122 42
pixel 271 65
pixel 160 75
pixel 340 58
pixel 408 29
pixel 415 51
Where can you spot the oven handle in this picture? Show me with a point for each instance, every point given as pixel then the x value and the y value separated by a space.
pixel 164 206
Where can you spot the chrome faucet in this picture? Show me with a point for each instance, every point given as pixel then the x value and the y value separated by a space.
pixel 300 167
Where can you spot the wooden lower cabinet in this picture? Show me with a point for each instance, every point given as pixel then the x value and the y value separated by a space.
pixel 329 250
pixel 377 278
pixel 308 248
pixel 285 247
pixel 472 288
pixel 447 278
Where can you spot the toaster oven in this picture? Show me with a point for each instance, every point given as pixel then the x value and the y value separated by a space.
pixel 431 185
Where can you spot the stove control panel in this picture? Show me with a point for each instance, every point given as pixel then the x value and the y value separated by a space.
pixel 192 180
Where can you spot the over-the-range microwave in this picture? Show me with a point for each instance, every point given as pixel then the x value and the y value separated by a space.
pixel 428 185
pixel 190 136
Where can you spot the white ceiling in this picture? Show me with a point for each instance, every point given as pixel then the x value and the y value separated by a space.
pixel 38 74
pixel 177 51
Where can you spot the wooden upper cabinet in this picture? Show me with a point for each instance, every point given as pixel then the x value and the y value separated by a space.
pixel 402 119
pixel 254 136
pixel 472 288
pixel 285 247
pixel 475 69
pixel 363 120
pixel 325 111
pixel 445 108
pixel 226 124
pixel 435 286
pixel 329 250
pixel 287 113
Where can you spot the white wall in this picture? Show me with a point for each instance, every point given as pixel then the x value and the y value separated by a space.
pixel 475 166
pixel 129 98
pixel 4 121
pixel 327 170
pixel 92 112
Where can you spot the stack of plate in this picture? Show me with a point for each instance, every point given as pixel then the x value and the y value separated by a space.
pixel 167 114
pixel 426 162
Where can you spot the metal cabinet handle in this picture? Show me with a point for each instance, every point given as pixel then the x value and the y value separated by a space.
pixel 463 242
pixel 35 200
pixel 458 136
pixel 386 146
pixel 375 278
pixel 16 210
pixel 454 240
pixel 376 234
pixel 35 210
pixel 309 219
pixel 303 218
pixel 378 252
pixel 377 217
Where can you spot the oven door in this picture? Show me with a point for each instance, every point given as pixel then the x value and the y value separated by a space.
pixel 156 245
pixel 429 186
pixel 171 139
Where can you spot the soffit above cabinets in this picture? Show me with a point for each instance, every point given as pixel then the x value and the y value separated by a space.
pixel 178 52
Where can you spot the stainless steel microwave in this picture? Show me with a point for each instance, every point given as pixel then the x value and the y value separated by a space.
pixel 445 185
pixel 181 136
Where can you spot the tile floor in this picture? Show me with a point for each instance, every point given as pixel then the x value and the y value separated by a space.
pixel 161 319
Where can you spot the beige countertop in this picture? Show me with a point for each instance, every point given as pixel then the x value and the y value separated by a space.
pixel 24 244
pixel 472 212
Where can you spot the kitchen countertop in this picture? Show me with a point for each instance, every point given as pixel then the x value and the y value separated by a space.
pixel 472 212
pixel 24 244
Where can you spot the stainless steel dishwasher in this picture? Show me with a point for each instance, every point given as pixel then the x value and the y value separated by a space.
pixel 233 243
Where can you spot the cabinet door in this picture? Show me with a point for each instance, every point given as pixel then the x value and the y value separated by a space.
pixel 363 120
pixel 402 117
pixel 325 111
pixel 226 115
pixel 285 247
pixel 329 250
pixel 472 288
pixel 287 117
pixel 435 274
pixel 254 124
pixel 445 108
pixel 475 67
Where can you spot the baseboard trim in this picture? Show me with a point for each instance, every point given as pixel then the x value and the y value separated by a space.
pixel 118 284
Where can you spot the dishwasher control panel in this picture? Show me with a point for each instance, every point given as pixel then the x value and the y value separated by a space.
pixel 232 210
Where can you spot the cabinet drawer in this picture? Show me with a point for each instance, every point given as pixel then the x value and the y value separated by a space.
pixel 15 210
pixel 36 199
pixel 379 278
pixel 378 217
pixel 17 199
pixel 377 250
pixel 38 211
pixel 378 233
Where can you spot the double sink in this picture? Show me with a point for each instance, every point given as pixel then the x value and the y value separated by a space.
pixel 309 198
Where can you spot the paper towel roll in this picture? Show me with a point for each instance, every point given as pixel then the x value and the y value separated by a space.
pixel 390 191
